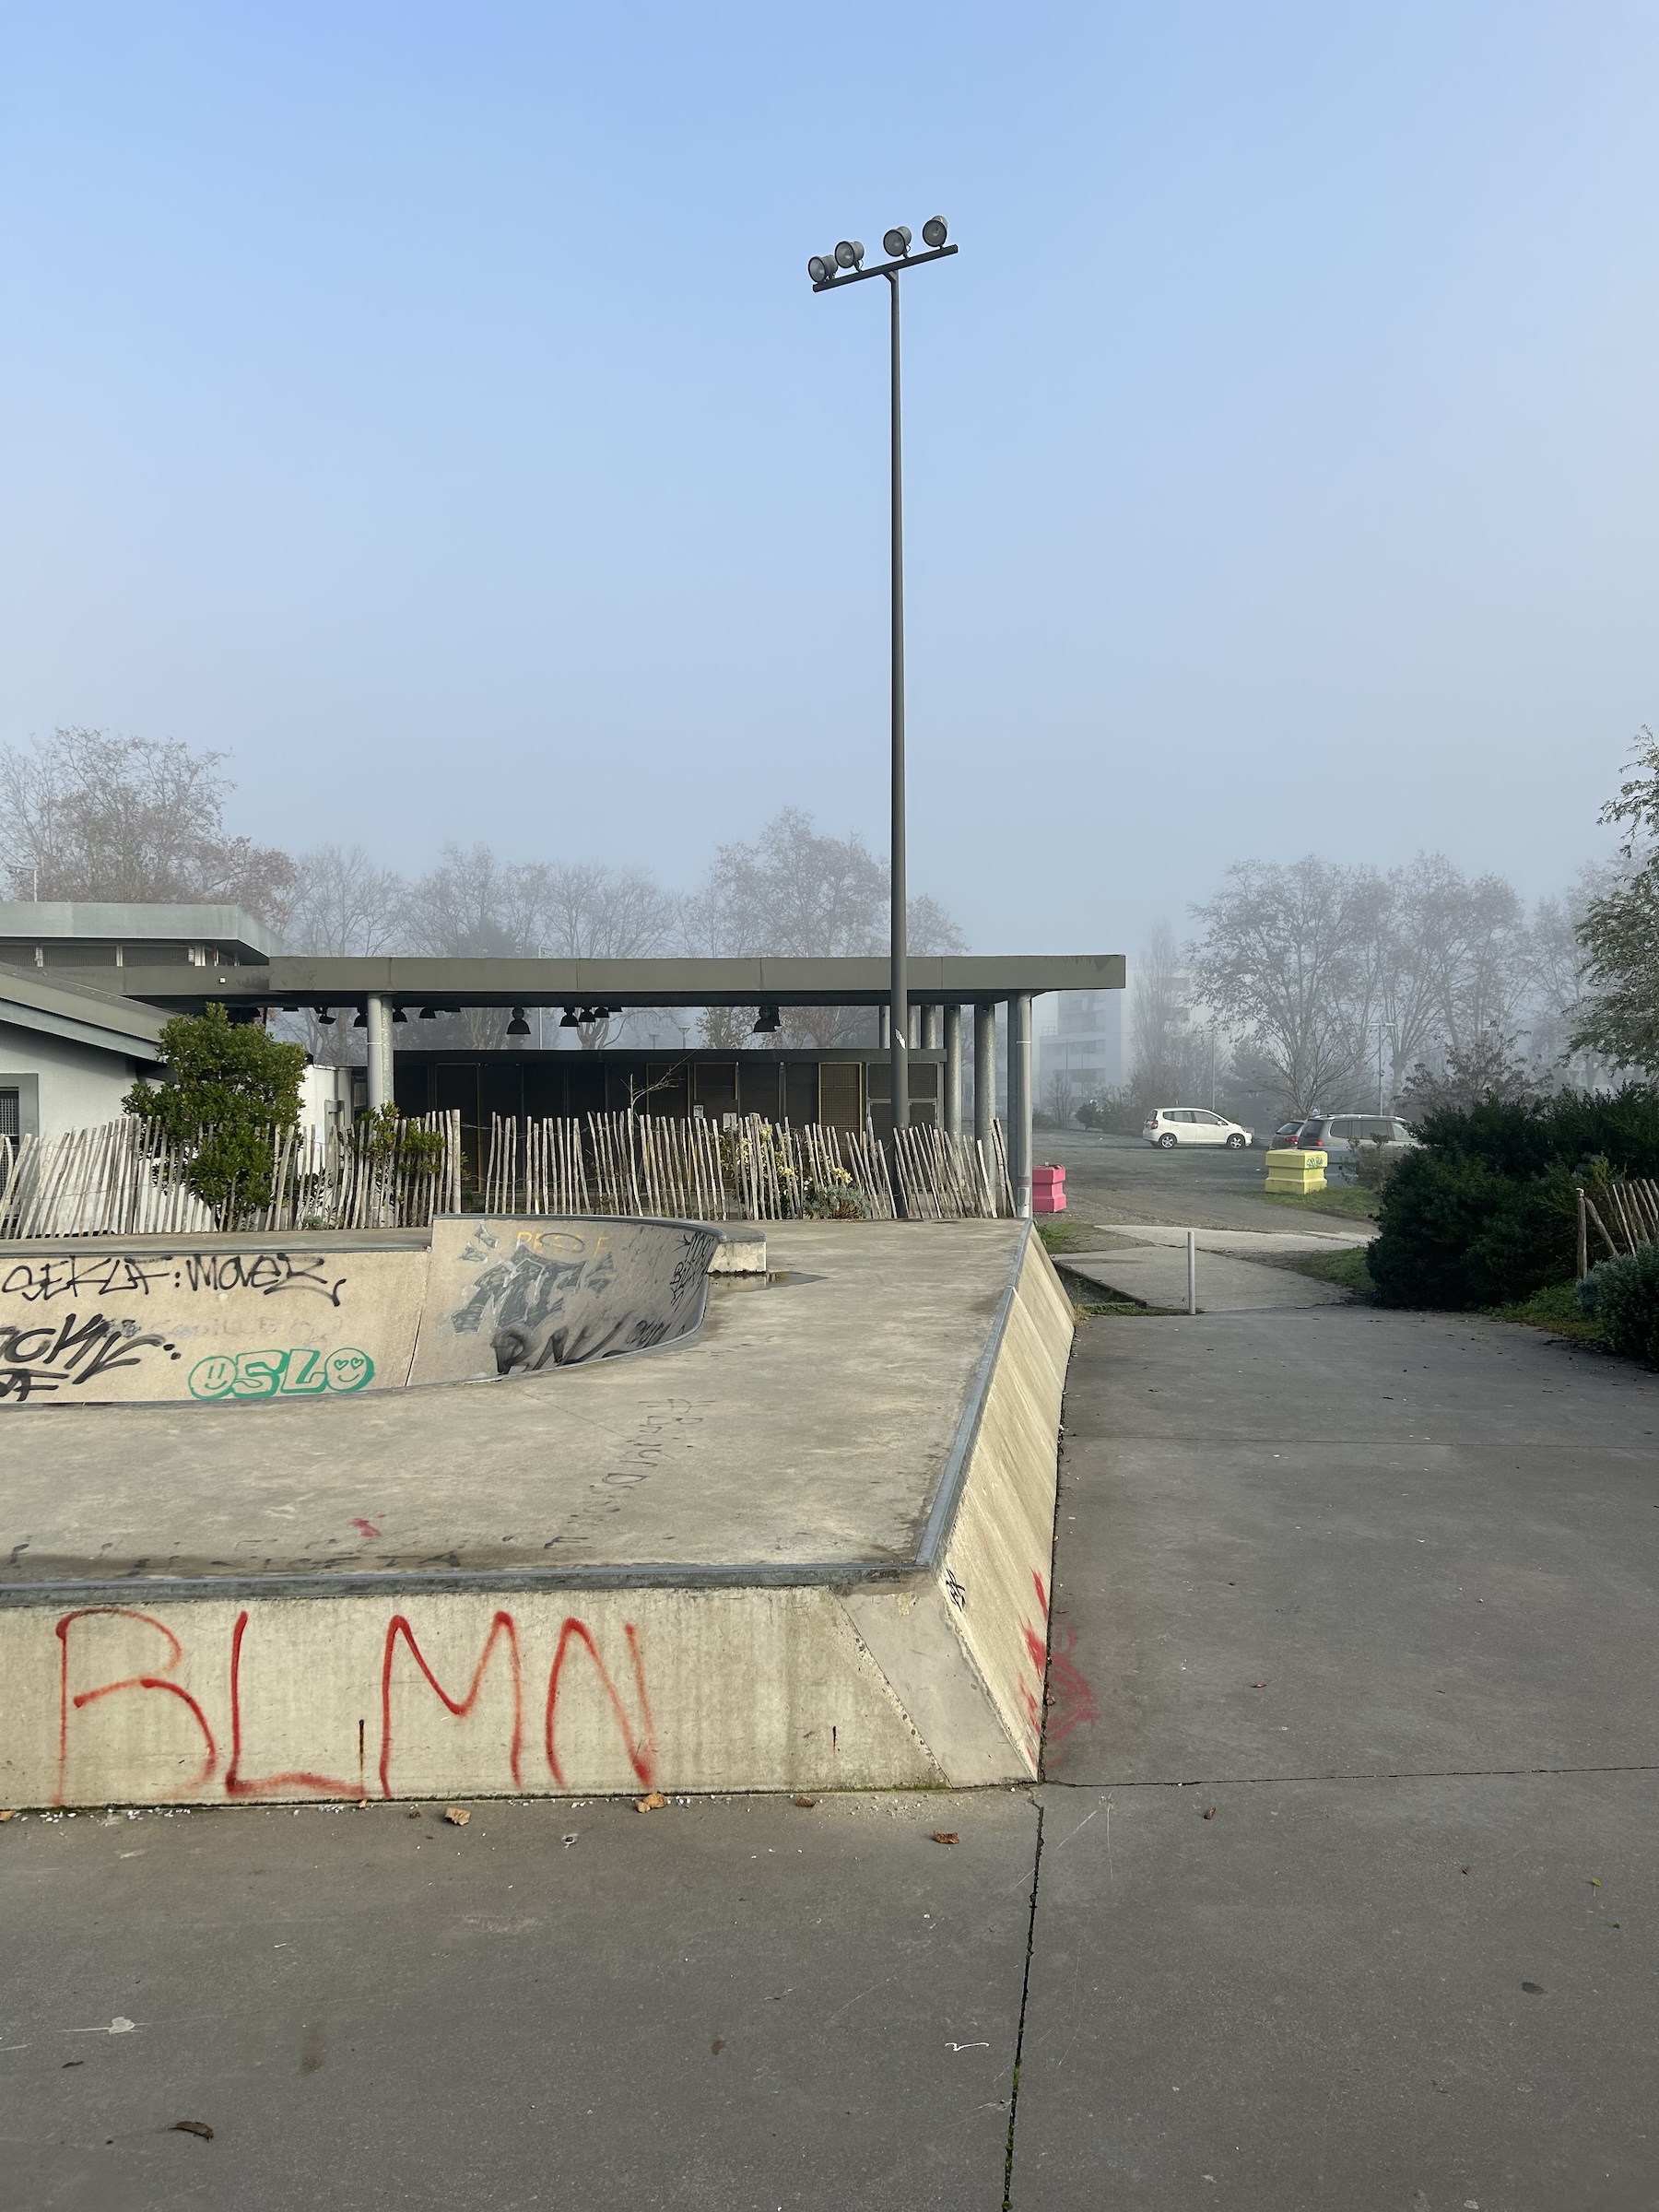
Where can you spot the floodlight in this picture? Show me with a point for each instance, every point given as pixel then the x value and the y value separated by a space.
pixel 518 1026
pixel 568 1021
pixel 428 1013
pixel 820 269
pixel 849 254
pixel 325 1018
pixel 895 243
pixel 398 1013
pixel 362 1019
pixel 935 231
pixel 766 1022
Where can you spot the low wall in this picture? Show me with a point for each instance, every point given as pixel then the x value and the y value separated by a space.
pixel 95 1320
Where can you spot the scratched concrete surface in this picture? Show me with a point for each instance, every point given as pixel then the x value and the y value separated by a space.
pixel 808 1421
pixel 1381 1589
pixel 717 2006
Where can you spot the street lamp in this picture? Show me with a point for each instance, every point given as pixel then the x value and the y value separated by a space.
pixel 829 273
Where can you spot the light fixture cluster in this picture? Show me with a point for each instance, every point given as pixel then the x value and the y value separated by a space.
pixel 824 268
pixel 575 1017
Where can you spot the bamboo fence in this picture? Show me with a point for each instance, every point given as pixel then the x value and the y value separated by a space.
pixel 1626 1215
pixel 125 1179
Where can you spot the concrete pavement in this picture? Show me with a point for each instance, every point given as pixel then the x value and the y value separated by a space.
pixel 1379 1589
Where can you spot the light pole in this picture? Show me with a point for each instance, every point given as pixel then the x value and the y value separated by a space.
pixel 829 272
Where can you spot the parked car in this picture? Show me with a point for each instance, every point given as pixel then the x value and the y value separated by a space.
pixel 1282 1138
pixel 1339 1133
pixel 1168 1127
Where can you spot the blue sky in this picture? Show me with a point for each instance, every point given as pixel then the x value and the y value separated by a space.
pixel 426 404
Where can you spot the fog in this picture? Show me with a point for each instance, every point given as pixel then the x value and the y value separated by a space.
pixel 428 408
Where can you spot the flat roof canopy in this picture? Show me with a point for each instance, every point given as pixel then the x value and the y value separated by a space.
pixel 935 979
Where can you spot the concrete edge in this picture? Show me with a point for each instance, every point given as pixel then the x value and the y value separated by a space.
pixel 935 1533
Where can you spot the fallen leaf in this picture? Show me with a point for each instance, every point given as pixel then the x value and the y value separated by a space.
pixel 1594 1883
pixel 1466 1870
pixel 81 2062
pixel 1258 1686
pixel 1212 1812
pixel 718 2045
pixel 1532 1989
pixel 652 1802
pixel 946 1835
pixel 191 2127
pixel 806 1804
pixel 9 1814
pixel 363 1805
pixel 413 1812
pixel 456 1814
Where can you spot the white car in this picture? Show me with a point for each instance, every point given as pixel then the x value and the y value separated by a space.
pixel 1168 1127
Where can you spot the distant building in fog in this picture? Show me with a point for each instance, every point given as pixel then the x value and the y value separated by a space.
pixel 1083 1055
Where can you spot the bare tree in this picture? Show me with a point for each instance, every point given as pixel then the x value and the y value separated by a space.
pixel 345 907
pixel 91 816
pixel 795 891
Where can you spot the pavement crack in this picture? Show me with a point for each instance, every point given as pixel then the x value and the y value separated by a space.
pixel 1025 1992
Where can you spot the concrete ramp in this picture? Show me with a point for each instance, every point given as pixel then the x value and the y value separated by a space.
pixel 806 1549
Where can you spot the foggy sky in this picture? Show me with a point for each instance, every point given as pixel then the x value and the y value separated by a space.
pixel 427 405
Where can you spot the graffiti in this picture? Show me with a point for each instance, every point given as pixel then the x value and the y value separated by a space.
pixel 1069 1699
pixel 560 1296
pixel 957 1592
pixel 139 1274
pixel 38 1361
pixel 299 1373
pixel 637 1733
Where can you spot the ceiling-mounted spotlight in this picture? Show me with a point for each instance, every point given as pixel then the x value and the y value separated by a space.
pixel 428 1013
pixel 518 1026
pixel 362 1021
pixel 568 1020
pixel 398 1013
pixel 849 254
pixel 324 1016
pixel 935 231
pixel 895 244
pixel 290 1009
pixel 766 1022
pixel 820 268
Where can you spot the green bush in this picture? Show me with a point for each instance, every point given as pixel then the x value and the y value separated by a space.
pixel 1527 1139
pixel 1437 1208
pixel 1623 1294
pixel 233 1090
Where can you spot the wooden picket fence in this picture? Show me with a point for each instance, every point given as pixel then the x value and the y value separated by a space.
pixel 746 1170
pixel 1626 1215
pixel 125 1179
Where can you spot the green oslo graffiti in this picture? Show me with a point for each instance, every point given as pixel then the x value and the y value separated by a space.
pixel 303 1373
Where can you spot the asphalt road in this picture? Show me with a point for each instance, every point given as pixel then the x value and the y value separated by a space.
pixel 1341 1890
pixel 1124 1179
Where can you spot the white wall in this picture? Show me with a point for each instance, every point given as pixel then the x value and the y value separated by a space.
pixel 79 1085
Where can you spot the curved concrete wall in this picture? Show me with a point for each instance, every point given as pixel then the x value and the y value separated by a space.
pixel 97 1319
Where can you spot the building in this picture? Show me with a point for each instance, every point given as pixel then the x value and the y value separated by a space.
pixel 1083 1053
pixel 68 1053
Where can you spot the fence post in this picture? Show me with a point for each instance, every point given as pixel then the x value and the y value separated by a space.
pixel 1583 1237
pixel 1192 1271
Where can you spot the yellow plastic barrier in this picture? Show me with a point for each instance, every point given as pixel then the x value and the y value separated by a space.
pixel 1296 1171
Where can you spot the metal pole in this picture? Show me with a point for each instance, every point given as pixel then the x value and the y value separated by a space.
pixel 378 1050
pixel 984 1086
pixel 1192 1271
pixel 953 1071
pixel 901 947
pixel 1020 1101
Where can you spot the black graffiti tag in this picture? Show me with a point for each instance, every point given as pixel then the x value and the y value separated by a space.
pixel 137 1275
pixel 35 1362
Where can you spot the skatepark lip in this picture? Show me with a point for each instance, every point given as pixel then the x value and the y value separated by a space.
pixel 849 1415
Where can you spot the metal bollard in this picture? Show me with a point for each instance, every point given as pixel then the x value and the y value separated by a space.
pixel 1192 1271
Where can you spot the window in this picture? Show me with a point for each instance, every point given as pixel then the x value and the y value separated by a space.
pixel 1214 1119
pixel 1179 1114
pixel 11 1123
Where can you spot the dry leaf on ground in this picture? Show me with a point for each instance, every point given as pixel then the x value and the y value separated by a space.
pixel 1212 1812
pixel 946 1835
pixel 652 1802
pixel 456 1814
pixel 807 1804
pixel 191 2127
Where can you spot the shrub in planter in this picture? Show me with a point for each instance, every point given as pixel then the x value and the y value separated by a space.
pixel 1623 1294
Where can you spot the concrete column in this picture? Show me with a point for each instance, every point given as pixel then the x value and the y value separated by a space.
pixel 883 1029
pixel 914 1037
pixel 931 1034
pixel 1019 1102
pixel 984 1085
pixel 380 1052
pixel 953 1071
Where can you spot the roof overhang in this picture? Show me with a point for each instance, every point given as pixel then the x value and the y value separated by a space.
pixel 448 983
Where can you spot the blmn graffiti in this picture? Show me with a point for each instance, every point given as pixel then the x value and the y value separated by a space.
pixel 637 1732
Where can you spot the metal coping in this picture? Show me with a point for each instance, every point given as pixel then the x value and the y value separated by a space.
pixel 647 1575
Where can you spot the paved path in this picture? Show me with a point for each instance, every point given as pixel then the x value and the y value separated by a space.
pixel 1382 1590
pixel 1157 1276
